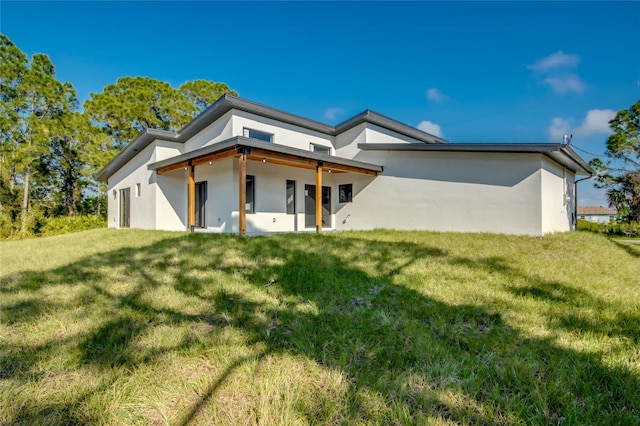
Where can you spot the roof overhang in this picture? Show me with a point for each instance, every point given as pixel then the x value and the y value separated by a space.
pixel 143 140
pixel 561 154
pixel 228 103
pixel 266 152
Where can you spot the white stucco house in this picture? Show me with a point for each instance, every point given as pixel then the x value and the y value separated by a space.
pixel 597 214
pixel 242 167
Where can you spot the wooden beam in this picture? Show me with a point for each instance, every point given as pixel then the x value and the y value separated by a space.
pixel 242 195
pixel 305 163
pixel 172 167
pixel 213 157
pixel 192 197
pixel 270 157
pixel 319 199
pixel 293 159
pixel 337 168
pixel 283 162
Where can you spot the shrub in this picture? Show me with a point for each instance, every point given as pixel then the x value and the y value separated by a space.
pixel 66 224
pixel 620 229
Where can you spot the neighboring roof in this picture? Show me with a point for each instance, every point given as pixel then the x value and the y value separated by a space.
pixel 227 102
pixel 242 142
pixel 560 153
pixel 593 210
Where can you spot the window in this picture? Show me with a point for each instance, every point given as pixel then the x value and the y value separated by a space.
pixel 251 194
pixel 137 189
pixel 320 149
pixel 345 193
pixel 125 207
pixel 291 197
pixel 200 204
pixel 257 134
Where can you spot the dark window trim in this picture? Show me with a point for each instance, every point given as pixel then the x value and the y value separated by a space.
pixel 246 133
pixel 125 208
pixel 313 145
pixel 201 213
pixel 348 196
pixel 293 206
pixel 252 179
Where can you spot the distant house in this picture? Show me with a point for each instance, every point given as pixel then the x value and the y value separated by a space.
pixel 247 168
pixel 597 214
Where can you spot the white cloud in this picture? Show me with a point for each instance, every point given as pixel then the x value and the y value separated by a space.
pixel 565 83
pixel 431 128
pixel 558 128
pixel 555 61
pixel 333 113
pixel 596 121
pixel 435 95
pixel 553 70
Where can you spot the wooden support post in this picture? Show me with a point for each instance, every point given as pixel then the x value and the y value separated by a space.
pixel 319 198
pixel 192 197
pixel 242 195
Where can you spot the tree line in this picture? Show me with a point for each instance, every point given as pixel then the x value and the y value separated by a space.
pixel 51 146
pixel 619 173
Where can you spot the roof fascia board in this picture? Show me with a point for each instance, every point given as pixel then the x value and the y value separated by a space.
pixel 388 123
pixel 461 147
pixel 144 139
pixel 559 153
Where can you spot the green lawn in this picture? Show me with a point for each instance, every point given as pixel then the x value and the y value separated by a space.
pixel 138 327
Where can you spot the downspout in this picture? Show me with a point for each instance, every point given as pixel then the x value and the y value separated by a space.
pixel 575 201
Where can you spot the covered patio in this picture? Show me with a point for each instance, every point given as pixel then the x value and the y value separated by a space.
pixel 245 149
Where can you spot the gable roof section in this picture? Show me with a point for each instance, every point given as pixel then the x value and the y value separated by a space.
pixel 227 103
pixel 561 154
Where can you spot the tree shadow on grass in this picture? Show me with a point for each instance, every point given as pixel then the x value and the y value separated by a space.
pixel 632 249
pixel 423 357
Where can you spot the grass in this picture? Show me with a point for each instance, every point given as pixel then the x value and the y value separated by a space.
pixel 140 327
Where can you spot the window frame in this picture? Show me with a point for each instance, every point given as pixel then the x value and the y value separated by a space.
pixel 246 132
pixel 290 208
pixel 346 199
pixel 325 150
pixel 200 202
pixel 124 209
pixel 250 180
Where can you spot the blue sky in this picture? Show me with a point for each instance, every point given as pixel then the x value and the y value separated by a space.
pixel 471 72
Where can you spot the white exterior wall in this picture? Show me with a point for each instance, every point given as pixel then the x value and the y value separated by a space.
pixel 598 218
pixel 221 208
pixel 270 198
pixel 218 131
pixel 135 172
pixel 166 149
pixel 377 134
pixel 222 195
pixel 347 143
pixel 171 201
pixel 448 191
pixel 284 134
pixel 558 198
pixel 441 191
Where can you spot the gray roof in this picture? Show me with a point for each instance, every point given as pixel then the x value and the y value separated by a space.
pixel 227 102
pixel 560 153
pixel 242 142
